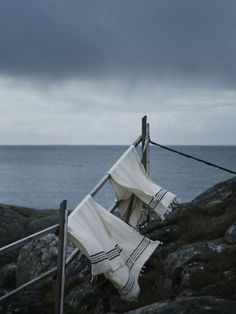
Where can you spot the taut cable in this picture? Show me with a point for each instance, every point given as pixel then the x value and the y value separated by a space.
pixel 192 157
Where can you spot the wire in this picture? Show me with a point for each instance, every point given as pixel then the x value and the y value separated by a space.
pixel 192 157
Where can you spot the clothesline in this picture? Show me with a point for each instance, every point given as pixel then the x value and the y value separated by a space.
pixel 106 246
pixel 192 157
pixel 114 245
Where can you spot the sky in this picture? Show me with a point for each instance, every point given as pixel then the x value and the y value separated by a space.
pixel 85 72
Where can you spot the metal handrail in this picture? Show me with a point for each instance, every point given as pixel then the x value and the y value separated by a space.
pixel 106 177
pixel 53 229
pixel 41 277
pixel 18 243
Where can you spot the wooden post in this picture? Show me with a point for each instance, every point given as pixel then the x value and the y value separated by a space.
pixel 144 130
pixel 61 258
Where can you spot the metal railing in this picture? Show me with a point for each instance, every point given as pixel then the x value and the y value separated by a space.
pixel 61 228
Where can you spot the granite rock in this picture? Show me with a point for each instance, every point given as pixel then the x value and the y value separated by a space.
pixel 189 305
pixel 230 235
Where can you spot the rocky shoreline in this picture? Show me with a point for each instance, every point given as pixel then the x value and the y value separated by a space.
pixel 193 271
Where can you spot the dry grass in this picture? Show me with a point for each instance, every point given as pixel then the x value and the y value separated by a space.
pixel 197 224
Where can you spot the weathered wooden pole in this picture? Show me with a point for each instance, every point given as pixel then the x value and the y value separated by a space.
pixel 61 258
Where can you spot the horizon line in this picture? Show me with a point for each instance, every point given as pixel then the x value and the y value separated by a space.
pixel 114 144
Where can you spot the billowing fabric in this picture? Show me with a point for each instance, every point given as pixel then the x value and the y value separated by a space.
pixel 136 192
pixel 112 246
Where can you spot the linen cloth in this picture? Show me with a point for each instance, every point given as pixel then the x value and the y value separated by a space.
pixel 136 192
pixel 112 246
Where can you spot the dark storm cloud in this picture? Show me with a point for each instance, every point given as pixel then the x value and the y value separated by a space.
pixel 167 38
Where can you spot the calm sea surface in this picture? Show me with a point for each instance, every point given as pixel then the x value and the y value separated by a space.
pixel 42 176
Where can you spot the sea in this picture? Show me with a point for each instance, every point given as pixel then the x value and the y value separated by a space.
pixel 43 176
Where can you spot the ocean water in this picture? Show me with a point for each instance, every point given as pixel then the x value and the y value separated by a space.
pixel 42 176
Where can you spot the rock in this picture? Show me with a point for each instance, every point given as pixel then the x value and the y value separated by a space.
pixel 117 305
pixel 222 195
pixel 154 221
pixel 81 268
pixel 41 223
pixel 190 272
pixel 12 228
pixel 190 305
pixel 80 300
pixel 36 258
pixel 25 303
pixel 230 235
pixel 12 225
pixel 193 271
pixel 166 234
pixel 40 255
pixel 99 308
pixel 18 222
pixel 180 268
pixel 8 278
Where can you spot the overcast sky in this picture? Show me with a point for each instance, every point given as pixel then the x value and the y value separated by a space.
pixel 84 72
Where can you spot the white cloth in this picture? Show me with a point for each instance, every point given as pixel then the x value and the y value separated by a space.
pixel 112 246
pixel 133 187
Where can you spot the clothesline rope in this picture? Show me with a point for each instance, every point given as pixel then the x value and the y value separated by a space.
pixel 192 157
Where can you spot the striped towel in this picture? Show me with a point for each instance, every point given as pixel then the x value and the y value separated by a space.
pixel 112 246
pixel 136 192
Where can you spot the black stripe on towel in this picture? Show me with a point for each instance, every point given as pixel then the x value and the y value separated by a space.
pixel 137 252
pixel 98 258
pixel 109 255
pixel 163 195
pixel 94 255
pixel 128 286
pixel 115 254
pixel 98 261
pixel 157 198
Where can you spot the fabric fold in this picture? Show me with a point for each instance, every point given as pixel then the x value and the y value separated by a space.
pixel 136 192
pixel 112 246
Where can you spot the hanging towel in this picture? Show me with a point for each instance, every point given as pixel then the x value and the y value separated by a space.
pixel 112 246
pixel 136 192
